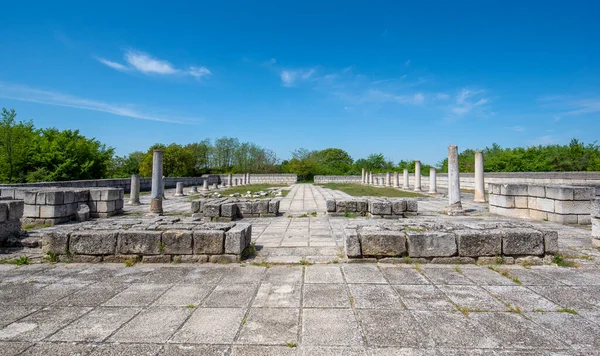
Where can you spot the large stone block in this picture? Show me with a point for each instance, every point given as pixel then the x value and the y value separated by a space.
pixel 538 215
pixel 93 242
pixel 430 244
pixel 346 205
pixel 563 219
pixel 15 209
pixel 522 241
pixel 412 206
pixel 55 197
pixel 69 197
pixel 379 242
pixel 229 210
pixel 140 242
pixel 595 208
pixel 352 243
pixel 398 207
pixel 513 189
pixel 108 194
pixel 541 204
pixel 30 197
pixel 494 188
pixel 3 211
pixel 515 213
pixel 95 194
pixel 10 229
pixel 475 243
pixel 56 242
pixel 274 206
pixel 177 242
pixel 380 207
pixel 105 206
pixel 53 211
pixel 550 242
pixel 559 192
pixel 244 208
pixel 260 206
pixel 212 210
pixel 196 204
pixel 584 193
pixel 536 191
pixel 504 201
pixel 596 228
pixel 330 203
pixel 521 202
pixel 572 206
pixel 209 242
pixel 362 206
pixel 236 240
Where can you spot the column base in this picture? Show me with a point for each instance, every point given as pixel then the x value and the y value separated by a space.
pixel 455 210
pixel 156 207
pixel 133 203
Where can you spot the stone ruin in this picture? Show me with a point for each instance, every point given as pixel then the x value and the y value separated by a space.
pixel 10 219
pixel 229 209
pixel 448 242
pixel 373 207
pixel 159 239
pixel 596 222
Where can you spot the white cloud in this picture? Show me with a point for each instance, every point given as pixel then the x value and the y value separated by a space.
pixel 442 96
pixel 571 105
pixel 468 101
pixel 517 128
pixel 289 77
pixel 28 94
pixel 144 63
pixel 374 95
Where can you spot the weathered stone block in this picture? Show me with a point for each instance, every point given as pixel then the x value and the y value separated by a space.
pixel 584 193
pixel 82 195
pixel 212 210
pixel 196 206
pixel 515 213
pixel 475 243
pixel 53 211
pixel 352 243
pixel 522 241
pixel 3 212
pixel 274 206
pixel 30 197
pixel 236 240
pixel 177 242
pixel 563 219
pixel 140 242
pixel 453 260
pixel 550 242
pixel 29 211
pixel 229 210
pixel 93 242
pixel 362 206
pixel 95 194
pixel 260 206
pixel 118 204
pixel 69 197
pixel 380 207
pixel 209 242
pixel 108 194
pixel 430 244
pixel 105 206
pixel 595 208
pixel 398 207
pixel 244 208
pixel 504 201
pixel 494 188
pixel 156 259
pixel 559 192
pixel 378 242
pixel 224 258
pixel 572 207
pixel 345 206
pixel 596 228
pixel 521 202
pixel 541 204
pixel 56 242
pixel 412 206
pixel 536 191
pixel 82 213
pixel 584 219
pixel 513 189
pixel 538 215
pixel 330 203
pixel 55 197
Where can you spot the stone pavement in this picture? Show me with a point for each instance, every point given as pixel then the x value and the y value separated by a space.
pixel 344 309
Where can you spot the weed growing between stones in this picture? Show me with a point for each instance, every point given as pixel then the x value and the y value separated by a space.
pixel 290 344
pixel 349 215
pixel 176 260
pixel 51 257
pixel 130 262
pixel 457 269
pixel 562 262
pixel 504 272
pixel 313 214
pixel 29 227
pixel 262 263
pixel 23 260
pixel 250 251
pixel 304 262
pixel 190 306
pixel 568 310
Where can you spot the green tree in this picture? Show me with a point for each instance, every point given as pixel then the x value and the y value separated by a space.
pixel 15 140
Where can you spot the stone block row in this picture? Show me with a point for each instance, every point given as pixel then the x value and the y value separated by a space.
pixel 229 209
pixel 561 204
pixel 430 241
pixel 374 207
pixel 11 212
pixel 203 240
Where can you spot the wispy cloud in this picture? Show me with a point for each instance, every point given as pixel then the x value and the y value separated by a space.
pixel 568 105
pixel 517 128
pixel 374 95
pixel 543 140
pixel 468 102
pixel 146 64
pixel 28 94
pixel 290 77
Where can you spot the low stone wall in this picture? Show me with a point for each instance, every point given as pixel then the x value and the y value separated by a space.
pixel 446 242
pixel 374 207
pixel 556 203
pixel 161 240
pixel 337 179
pixel 596 221
pixel 53 206
pixel 283 179
pixel 11 212
pixel 229 209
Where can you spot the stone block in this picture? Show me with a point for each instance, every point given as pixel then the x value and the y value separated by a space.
pixel 95 194
pixel 55 197
pixel 274 206
pixel 196 206
pixel 521 202
pixel 140 242
pixel 550 242
pixel 209 242
pixel 229 210
pixel 346 205
pixel 541 204
pixel 494 188
pixel 121 258
pixel 522 241
pixel 236 240
pixel 503 201
pixel 515 213
pixel 536 191
pixel 72 208
pixel 177 242
pixel 244 208
pixel 212 210
pixel 29 211
pixel 330 203
pixel 514 189
pixel 584 219
pixel 430 244
pixel 4 211
pixel 528 261
pixel 595 208
pixel 93 242
pixel 362 206
pixel 15 209
pixel 260 206
pixel 83 259
pixel 380 207
pixel 453 260
pixel 398 207
pixel 53 211
pixel 582 207
pixel 82 213
pixel 82 195
pixel 109 194
pixel 224 258
pixel 156 259
pixel 475 243
pixel 7 192
pixel 563 219
pixel 412 206
pixel 559 192
pixel 596 228
pixel 56 242
pixel 191 259
pixel 105 206
pixel 69 197
pixel 538 215
pixel 584 193
pixel 30 197
pixel 352 243
pixel 378 242
pixel 118 204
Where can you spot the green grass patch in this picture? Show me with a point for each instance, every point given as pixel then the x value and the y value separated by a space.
pixel 29 227
pixel 253 188
pixel 568 310
pixel 20 261
pixel 563 262
pixel 359 190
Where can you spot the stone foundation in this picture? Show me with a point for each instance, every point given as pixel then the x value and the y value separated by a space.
pixel 446 242
pixel 229 209
pixel 53 206
pixel 596 222
pixel 374 207
pixel 11 212
pixel 162 239
pixel 556 203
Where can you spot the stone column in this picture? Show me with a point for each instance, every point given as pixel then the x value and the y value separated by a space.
pixel 479 178
pixel 235 182
pixel 248 178
pixel 179 189
pixel 454 204
pixel 432 180
pixel 216 186
pixel 194 189
pixel 417 176
pixel 405 183
pixel 134 191
pixel 164 184
pixel 157 194
pixel 243 179
pixel 205 184
pixel 396 180
pixel 362 177
pixel 388 179
pixel 230 180
pixel 376 181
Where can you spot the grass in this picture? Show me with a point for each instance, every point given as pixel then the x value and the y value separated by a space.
pixel 250 251
pixel 457 269
pixel 253 188
pixel 563 262
pixel 359 190
pixel 190 306
pixel 305 263
pixel 51 257
pixel 131 261
pixel 291 344
pixel 568 310
pixel 262 263
pixel 349 215
pixel 23 260
pixel 504 272
pixel 29 227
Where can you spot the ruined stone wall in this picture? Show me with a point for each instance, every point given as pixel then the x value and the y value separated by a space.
pixel 11 212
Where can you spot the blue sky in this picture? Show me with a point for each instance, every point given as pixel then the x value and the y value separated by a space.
pixel 402 78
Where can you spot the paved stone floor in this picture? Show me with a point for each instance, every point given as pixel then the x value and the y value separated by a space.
pixel 328 308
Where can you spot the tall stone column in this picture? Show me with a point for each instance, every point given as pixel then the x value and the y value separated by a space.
pixel 479 178
pixel 157 193
pixel 230 180
pixel 388 179
pixel 362 177
pixel 248 178
pixel 405 183
pixel 432 180
pixel 194 189
pixel 134 191
pixel 179 189
pixel 454 203
pixel 205 185
pixel 396 180
pixel 417 176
